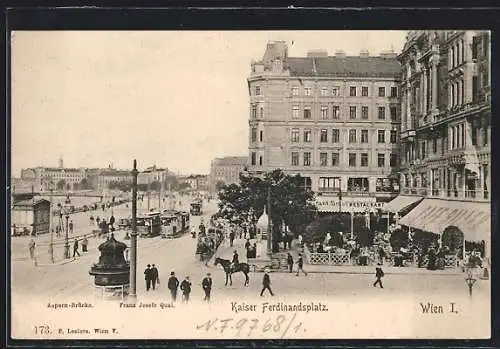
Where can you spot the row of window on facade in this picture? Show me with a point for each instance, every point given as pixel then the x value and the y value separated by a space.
pixel 458 139
pixel 335 136
pixel 358 184
pixel 335 113
pixel 451 180
pixel 456 53
pixel 336 91
pixel 334 159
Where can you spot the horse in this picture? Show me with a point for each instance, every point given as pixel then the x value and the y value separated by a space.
pixel 241 267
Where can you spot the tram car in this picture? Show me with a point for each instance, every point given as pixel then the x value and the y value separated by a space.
pixel 174 223
pixel 196 208
pixel 149 224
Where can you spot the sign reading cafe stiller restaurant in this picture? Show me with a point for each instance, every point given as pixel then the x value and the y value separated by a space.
pixel 361 204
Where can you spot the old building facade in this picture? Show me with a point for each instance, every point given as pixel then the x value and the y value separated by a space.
pixel 446 130
pixel 332 119
pixel 226 171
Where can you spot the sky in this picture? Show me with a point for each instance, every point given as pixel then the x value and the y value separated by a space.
pixel 177 99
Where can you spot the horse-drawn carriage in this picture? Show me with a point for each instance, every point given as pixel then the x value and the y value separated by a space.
pixel 208 243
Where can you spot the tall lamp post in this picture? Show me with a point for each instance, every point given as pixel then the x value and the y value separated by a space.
pixel 66 241
pixel 133 238
pixel 269 222
pixel 51 246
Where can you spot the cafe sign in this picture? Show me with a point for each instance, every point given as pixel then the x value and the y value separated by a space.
pixel 333 204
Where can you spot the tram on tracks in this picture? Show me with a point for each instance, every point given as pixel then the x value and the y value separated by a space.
pixel 149 224
pixel 174 223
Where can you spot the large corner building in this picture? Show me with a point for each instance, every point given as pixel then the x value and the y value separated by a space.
pixel 334 120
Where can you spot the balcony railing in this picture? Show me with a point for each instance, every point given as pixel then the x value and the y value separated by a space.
pixel 358 193
pixel 475 195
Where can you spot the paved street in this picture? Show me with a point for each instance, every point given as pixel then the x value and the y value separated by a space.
pixel 73 279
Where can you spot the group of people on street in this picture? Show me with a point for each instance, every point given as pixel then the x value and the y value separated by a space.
pixel 300 264
pixel 152 279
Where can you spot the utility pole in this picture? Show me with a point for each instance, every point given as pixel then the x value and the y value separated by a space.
pixel 51 246
pixel 133 238
pixel 269 223
pixel 159 195
pixel 149 190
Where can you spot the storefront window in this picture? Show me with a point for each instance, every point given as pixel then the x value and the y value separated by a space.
pixel 357 184
pixel 387 184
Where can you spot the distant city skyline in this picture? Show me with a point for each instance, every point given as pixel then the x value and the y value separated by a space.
pixel 171 98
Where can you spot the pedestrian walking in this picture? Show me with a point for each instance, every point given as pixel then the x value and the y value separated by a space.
pixel 112 220
pixel 98 219
pixel 31 246
pixel 75 249
pixel 85 243
pixel 147 277
pixel 186 289
pixel 71 227
pixel 300 265
pixel 289 260
pixel 231 238
pixel 173 284
pixel 154 277
pixel 379 274
pixel 91 220
pixel 207 286
pixel 266 284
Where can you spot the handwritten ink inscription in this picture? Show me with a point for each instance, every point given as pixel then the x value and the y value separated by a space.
pixel 280 325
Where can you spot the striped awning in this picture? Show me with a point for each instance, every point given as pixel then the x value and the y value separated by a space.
pixel 401 202
pixel 435 215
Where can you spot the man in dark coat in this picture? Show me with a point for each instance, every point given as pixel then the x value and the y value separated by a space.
pixel 75 249
pixel 289 260
pixel 231 238
pixel 154 276
pixel 266 284
pixel 235 260
pixel 207 286
pixel 173 284
pixel 148 277
pixel 379 274
pixel 186 289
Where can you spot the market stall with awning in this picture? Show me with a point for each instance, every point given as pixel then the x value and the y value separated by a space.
pixel 401 203
pixel 435 215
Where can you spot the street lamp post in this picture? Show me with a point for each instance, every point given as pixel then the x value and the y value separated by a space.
pixel 269 222
pixel 51 246
pixel 133 238
pixel 66 242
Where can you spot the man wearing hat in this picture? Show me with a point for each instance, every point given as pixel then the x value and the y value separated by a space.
pixel 148 276
pixel 235 262
pixel 207 286
pixel 379 274
pixel 266 283
pixel 186 289
pixel 173 284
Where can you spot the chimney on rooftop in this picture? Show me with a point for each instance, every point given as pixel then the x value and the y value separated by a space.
pixel 364 53
pixel 340 54
pixel 317 53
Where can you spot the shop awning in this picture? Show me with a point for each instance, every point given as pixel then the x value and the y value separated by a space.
pixel 435 215
pixel 401 202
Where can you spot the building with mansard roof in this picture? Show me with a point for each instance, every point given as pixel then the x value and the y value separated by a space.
pixel 332 119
